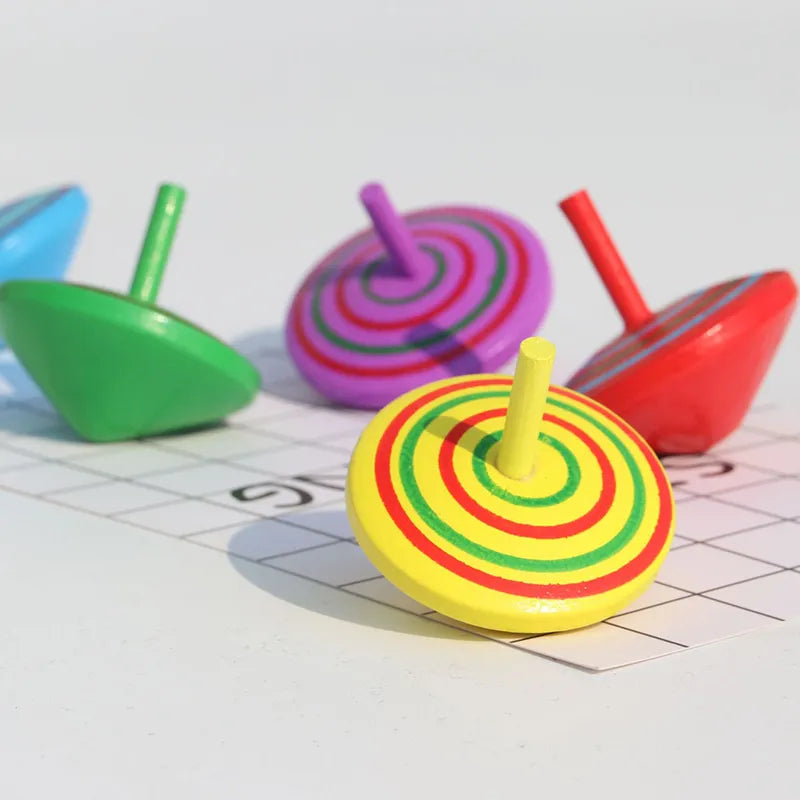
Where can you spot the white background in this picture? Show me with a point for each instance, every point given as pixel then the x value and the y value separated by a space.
pixel 681 118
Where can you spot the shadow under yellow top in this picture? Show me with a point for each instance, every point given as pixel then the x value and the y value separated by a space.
pixel 567 547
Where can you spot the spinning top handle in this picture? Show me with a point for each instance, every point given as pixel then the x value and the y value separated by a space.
pixel 580 211
pixel 519 446
pixel 157 242
pixel 391 229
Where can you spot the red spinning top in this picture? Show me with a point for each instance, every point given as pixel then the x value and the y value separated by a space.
pixel 683 377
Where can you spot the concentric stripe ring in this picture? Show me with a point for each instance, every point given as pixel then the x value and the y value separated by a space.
pixel 480 512
pixel 362 333
pixel 585 535
pixel 373 324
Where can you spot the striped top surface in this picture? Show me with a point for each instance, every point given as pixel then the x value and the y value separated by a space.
pixel 16 213
pixel 679 321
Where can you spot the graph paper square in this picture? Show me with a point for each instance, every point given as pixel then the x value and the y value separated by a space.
pixel 268 487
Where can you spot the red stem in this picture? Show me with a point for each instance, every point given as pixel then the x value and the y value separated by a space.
pixel 583 216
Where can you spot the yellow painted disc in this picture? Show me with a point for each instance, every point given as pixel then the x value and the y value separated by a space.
pixel 568 547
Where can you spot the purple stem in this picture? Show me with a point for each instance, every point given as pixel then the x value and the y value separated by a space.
pixel 391 229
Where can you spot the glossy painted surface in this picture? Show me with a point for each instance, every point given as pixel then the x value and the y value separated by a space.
pixel 568 547
pixel 39 233
pixel 463 287
pixel 686 376
pixel 118 367
pixel 686 379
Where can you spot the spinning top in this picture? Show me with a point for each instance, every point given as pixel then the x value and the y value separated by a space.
pixel 510 505
pixel 38 233
pixel 435 293
pixel 683 377
pixel 119 367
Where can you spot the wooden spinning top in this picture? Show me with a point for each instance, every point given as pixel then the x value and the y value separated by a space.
pixel 685 376
pixel 39 233
pixel 118 366
pixel 443 291
pixel 507 505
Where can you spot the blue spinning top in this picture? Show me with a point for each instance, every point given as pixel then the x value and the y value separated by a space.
pixel 38 233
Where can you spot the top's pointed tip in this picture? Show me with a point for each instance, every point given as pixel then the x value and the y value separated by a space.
pixel 78 197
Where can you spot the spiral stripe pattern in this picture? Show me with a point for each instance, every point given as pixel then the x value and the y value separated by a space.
pixel 570 546
pixel 363 333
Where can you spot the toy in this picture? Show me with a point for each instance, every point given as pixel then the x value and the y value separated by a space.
pixel 432 294
pixel 280 518
pixel 38 234
pixel 683 377
pixel 118 367
pixel 475 503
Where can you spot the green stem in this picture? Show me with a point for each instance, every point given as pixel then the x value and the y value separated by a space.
pixel 157 243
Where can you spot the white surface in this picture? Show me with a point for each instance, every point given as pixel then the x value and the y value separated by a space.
pixel 130 667
pixel 734 569
pixel 681 119
pixel 134 666
pixel 269 487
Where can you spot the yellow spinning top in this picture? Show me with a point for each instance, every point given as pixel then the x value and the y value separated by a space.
pixel 514 506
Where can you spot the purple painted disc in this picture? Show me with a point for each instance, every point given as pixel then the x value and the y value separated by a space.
pixel 363 331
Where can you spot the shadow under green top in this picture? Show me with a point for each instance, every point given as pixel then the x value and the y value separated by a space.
pixel 118 367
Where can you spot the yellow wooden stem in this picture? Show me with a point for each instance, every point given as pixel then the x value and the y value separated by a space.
pixel 519 445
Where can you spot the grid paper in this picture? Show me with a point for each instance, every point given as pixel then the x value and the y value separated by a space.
pixel 268 487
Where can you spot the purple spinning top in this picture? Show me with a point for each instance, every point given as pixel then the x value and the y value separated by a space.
pixel 419 297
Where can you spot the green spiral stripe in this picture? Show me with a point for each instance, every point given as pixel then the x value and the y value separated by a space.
pixel 562 495
pixel 367 275
pixel 447 532
pixel 498 277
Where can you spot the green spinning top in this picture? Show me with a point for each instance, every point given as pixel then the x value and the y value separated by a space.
pixel 118 367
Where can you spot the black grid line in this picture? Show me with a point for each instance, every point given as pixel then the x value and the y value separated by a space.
pixel 706 592
pixel 276 518
pixel 323 545
pixel 714 546
pixel 748 529
pixel 175 496
pixel 651 635
pixel 699 544
pixel 654 605
pixel 717 498
pixel 140 480
pixel 251 426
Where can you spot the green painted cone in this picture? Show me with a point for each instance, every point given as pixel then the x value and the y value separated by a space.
pixel 118 367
